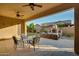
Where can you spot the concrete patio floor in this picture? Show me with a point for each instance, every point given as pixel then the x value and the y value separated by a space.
pixel 47 47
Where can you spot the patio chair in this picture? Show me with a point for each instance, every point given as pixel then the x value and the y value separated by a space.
pixel 34 42
pixel 15 41
pixel 24 39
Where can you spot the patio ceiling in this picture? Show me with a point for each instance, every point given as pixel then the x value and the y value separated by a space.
pixel 9 9
pixel 53 10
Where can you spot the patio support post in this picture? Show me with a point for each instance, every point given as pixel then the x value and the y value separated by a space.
pixel 23 28
pixel 76 47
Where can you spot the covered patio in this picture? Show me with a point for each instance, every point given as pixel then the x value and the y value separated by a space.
pixel 10 25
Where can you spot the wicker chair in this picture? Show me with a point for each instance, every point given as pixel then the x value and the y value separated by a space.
pixel 34 42
pixel 24 39
pixel 15 41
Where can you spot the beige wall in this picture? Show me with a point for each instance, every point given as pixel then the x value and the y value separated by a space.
pixel 7 46
pixel 8 27
pixel 9 31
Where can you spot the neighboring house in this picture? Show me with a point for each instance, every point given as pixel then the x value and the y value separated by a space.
pixel 49 28
pixel 50 25
pixel 37 28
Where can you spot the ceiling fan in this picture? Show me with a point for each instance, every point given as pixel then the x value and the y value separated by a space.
pixel 18 14
pixel 32 5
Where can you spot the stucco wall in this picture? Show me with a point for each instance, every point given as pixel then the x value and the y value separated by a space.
pixel 8 32
pixel 7 46
pixel 8 27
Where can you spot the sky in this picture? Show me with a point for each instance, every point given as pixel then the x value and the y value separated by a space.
pixel 64 15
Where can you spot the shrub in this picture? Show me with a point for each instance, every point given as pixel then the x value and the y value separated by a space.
pixel 68 34
pixel 60 25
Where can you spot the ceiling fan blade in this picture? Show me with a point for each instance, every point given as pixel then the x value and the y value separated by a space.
pixel 38 5
pixel 32 7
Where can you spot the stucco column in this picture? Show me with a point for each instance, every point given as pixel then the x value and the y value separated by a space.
pixel 23 28
pixel 76 46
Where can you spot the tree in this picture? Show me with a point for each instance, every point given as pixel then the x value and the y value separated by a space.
pixel 32 27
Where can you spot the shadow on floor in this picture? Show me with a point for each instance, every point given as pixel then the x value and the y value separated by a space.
pixel 55 53
pixel 43 53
